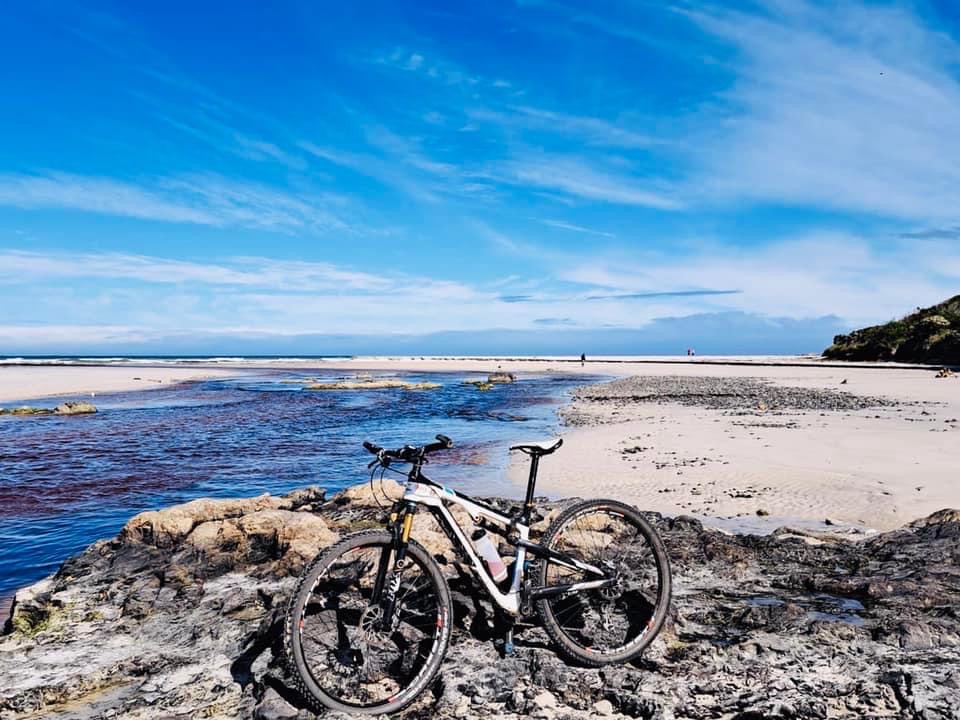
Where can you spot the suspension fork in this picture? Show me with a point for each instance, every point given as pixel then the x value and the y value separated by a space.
pixel 388 583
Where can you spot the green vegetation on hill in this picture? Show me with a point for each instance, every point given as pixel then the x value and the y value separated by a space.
pixel 929 335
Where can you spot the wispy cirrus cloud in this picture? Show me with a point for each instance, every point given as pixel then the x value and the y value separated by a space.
pixel 226 139
pixel 381 169
pixel 438 69
pixel 201 199
pixel 852 108
pixel 257 149
pixel 579 178
pixel 596 295
pixel 562 225
pixel 239 271
pixel 402 163
pixel 594 131
pixel 98 195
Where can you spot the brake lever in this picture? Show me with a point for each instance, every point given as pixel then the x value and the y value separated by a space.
pixel 382 459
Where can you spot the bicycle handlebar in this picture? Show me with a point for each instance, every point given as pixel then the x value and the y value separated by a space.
pixel 409 453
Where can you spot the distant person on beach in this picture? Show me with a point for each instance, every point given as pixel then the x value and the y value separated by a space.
pixel 583 359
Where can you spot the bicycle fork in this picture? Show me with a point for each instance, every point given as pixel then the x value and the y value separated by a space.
pixel 387 584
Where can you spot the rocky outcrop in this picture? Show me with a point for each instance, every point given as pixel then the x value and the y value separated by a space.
pixel 67 408
pixel 500 377
pixel 372 385
pixel 75 408
pixel 179 616
pixel 26 411
pixel 929 335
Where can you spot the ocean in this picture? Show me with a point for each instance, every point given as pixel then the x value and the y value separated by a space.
pixel 68 481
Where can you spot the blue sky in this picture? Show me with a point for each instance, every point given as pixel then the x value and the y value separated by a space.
pixel 528 176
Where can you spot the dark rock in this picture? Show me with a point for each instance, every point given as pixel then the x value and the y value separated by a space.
pixel 181 615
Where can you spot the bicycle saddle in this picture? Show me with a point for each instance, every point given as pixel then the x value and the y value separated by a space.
pixel 540 448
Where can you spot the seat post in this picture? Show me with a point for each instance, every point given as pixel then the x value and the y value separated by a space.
pixel 531 486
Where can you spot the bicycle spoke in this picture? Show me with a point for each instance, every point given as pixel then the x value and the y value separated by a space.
pixel 605 619
pixel 355 654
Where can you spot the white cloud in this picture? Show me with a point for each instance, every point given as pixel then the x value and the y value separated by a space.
pixel 99 195
pixel 54 336
pixel 402 163
pixel 577 228
pixel 414 61
pixel 579 178
pixel 852 107
pixel 257 149
pixel 203 199
pixel 812 276
pixel 20 267
pixel 805 277
pixel 584 129
pixel 436 69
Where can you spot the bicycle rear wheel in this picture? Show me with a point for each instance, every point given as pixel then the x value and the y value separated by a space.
pixel 612 624
pixel 343 654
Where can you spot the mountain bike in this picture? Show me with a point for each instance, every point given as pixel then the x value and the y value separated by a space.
pixel 369 623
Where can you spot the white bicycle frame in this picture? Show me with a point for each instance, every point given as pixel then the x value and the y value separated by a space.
pixel 437 496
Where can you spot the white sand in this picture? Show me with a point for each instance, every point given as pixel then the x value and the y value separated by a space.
pixel 875 468
pixel 30 382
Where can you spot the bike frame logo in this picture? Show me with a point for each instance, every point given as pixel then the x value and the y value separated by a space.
pixel 394 586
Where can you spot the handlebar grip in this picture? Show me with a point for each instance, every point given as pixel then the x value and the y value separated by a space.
pixel 371 448
pixel 443 443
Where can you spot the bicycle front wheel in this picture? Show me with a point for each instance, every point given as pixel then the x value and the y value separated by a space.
pixel 344 654
pixel 612 624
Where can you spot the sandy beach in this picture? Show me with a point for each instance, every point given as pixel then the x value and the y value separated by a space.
pixel 29 382
pixel 757 467
pixel 747 467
